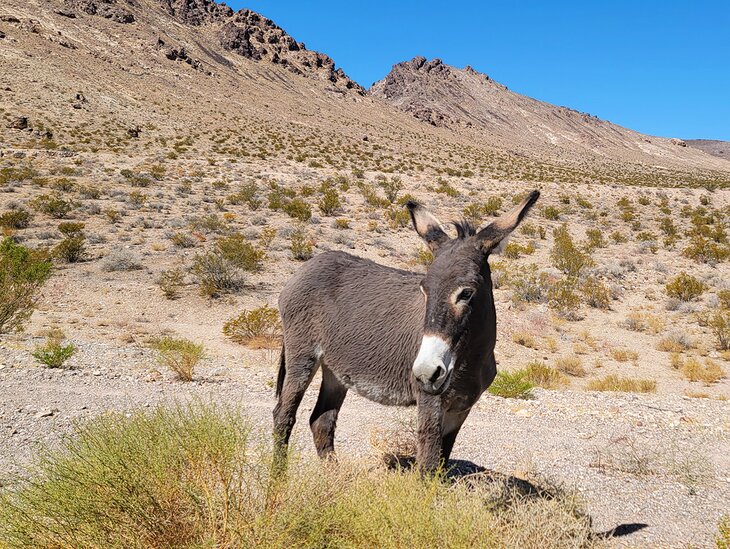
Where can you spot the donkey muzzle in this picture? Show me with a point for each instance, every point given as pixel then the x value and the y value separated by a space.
pixel 434 364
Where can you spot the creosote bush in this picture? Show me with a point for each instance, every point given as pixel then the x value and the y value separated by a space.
pixel 540 374
pixel 179 355
pixel 257 328
pixel 170 281
pixel 15 219
pixel 193 475
pixel 241 253
pixel 685 287
pixel 23 272
pixel 302 248
pixel 216 275
pixel 53 353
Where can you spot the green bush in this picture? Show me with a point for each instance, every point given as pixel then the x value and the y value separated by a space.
pixel 179 355
pixel 330 202
pixel 170 282
pixel 301 245
pixel 52 205
pixel 392 186
pixel 15 219
pixel 685 287
pixel 540 374
pixel 194 476
pixel 562 296
pixel 722 540
pixel 53 353
pixel 260 327
pixel 566 256
pixel 298 209
pixel 71 249
pixel 23 272
pixel 551 212
pixel 216 275
pixel 511 385
pixel 246 194
pixel 596 293
pixel 241 253
pixel 595 239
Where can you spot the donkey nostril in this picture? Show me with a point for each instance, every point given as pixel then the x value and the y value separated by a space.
pixel 437 374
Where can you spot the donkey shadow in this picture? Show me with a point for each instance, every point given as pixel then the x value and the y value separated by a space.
pixel 461 470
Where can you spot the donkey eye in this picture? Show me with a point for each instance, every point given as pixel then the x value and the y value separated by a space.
pixel 464 295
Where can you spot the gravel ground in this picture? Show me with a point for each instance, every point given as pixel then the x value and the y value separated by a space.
pixel 659 460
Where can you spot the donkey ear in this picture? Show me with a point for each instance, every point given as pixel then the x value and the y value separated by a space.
pixel 493 234
pixel 427 226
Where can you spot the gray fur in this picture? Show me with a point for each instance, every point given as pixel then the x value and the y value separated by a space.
pixel 363 323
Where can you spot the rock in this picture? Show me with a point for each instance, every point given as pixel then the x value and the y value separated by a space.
pixel 678 142
pixel 134 131
pixel 66 13
pixel 47 413
pixel 19 123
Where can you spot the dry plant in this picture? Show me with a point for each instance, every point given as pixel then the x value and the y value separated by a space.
pixel 179 355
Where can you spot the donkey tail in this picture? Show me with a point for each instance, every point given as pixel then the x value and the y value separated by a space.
pixel 282 372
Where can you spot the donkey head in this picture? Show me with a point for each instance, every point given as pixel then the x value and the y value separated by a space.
pixel 458 290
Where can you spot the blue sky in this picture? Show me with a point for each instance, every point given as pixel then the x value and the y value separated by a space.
pixel 659 67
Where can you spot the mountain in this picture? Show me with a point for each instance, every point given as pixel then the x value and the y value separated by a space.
pixel 465 100
pixel 721 149
pixel 193 77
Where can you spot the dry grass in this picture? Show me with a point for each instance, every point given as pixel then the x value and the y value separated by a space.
pixel 571 365
pixel 708 373
pixel 622 384
pixel 525 339
pixel 192 476
pixel 179 355
pixel 624 355
pixel 542 375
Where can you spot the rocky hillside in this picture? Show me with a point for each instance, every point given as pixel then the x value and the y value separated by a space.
pixel 194 77
pixel 721 149
pixel 465 100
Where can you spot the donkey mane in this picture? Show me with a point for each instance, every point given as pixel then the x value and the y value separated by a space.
pixel 464 228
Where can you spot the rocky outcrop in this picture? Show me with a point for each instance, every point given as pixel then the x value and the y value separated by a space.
pixel 109 9
pixel 197 12
pixel 179 53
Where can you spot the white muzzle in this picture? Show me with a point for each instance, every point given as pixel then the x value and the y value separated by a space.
pixel 434 364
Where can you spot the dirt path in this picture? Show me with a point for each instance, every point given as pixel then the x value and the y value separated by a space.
pixel 659 460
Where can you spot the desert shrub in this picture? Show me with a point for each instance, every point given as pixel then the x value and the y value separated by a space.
pixel 330 202
pixel 15 219
pixel 182 240
pixel 551 212
pixel 301 245
pixel 541 375
pixel 23 272
pixel 472 213
pixel 643 322
pixel 341 223
pixel 685 287
pixel 622 384
pixel 208 223
pixel 246 194
pixel 298 209
pixel 619 354
pixel 705 250
pixel 71 249
pixel 513 250
pixel 527 285
pixel 444 187
pixel 583 203
pixel 423 256
pixel 179 355
pixel 398 217
pixel 618 237
pixel 719 325
pixel 595 239
pixel 267 236
pixel 53 353
pixel 89 191
pixel 112 215
pixel 216 275
pixel 193 475
pixel 723 298
pixel 566 256
pixel 52 205
pixel 258 328
pixel 241 253
pixel 511 385
pixel 562 297
pixel 675 342
pixel 525 339
pixel 391 187
pixel 596 293
pixel 492 206
pixel 571 365
pixel 170 281
pixel 722 539
pixel 135 179
pixel 708 373
pixel 371 197
pixel 120 260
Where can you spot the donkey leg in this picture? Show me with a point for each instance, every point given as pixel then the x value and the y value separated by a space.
pixel 452 424
pixel 299 373
pixel 323 420
pixel 430 431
